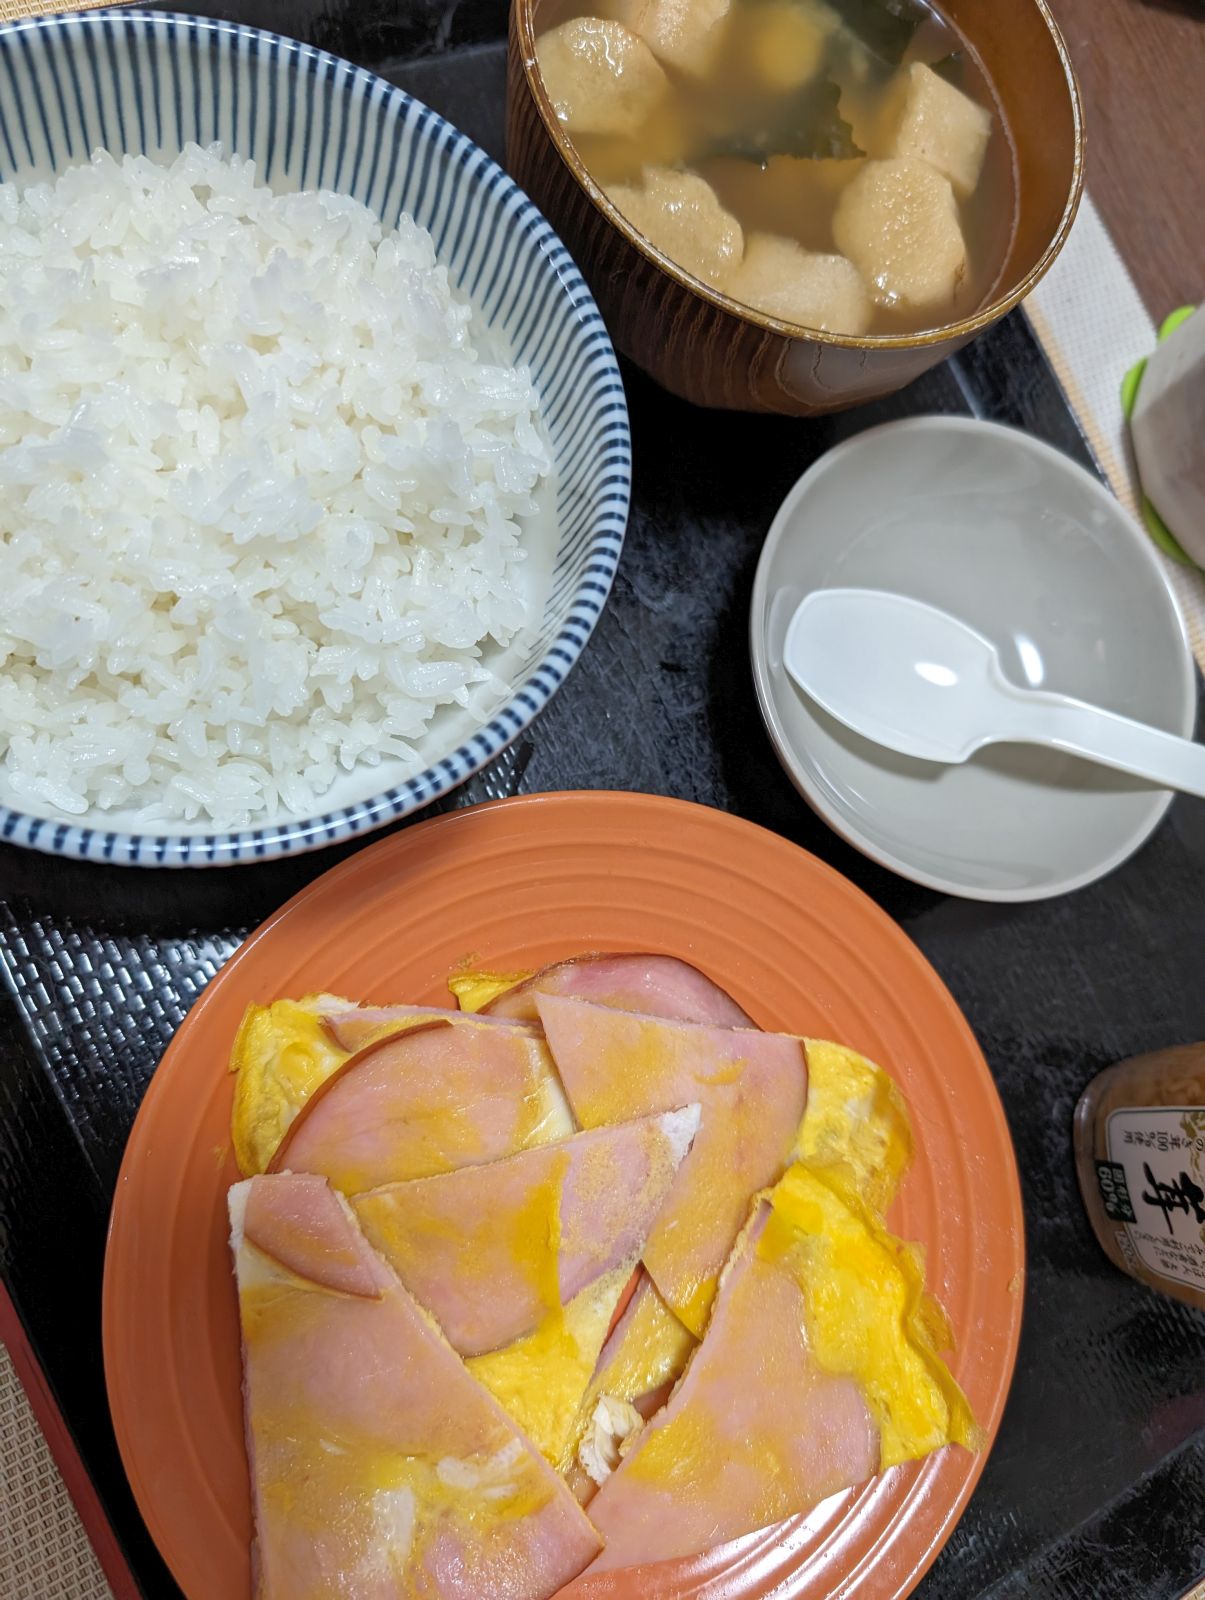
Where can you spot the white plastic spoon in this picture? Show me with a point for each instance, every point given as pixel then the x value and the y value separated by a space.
pixel 919 681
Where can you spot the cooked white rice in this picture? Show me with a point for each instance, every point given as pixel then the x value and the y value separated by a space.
pixel 261 495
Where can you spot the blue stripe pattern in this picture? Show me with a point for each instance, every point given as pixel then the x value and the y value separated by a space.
pixel 143 82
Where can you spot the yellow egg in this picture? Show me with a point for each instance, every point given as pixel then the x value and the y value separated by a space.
pixel 281 1054
pixel 866 1311
pixel 475 990
pixel 855 1119
pixel 540 1379
pixel 650 1354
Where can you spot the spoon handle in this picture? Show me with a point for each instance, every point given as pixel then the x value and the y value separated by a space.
pixel 1111 740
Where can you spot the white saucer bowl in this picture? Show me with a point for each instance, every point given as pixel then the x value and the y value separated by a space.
pixel 1004 531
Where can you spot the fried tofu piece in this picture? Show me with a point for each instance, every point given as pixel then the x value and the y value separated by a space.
pixel 815 290
pixel 786 42
pixel 680 214
pixel 683 34
pixel 939 124
pixel 898 223
pixel 600 77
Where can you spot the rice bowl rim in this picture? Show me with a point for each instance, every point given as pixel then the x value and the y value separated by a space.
pixel 521 223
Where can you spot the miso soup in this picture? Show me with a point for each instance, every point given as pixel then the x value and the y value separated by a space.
pixel 836 164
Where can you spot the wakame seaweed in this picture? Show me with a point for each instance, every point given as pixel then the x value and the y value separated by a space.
pixel 885 27
pixel 807 123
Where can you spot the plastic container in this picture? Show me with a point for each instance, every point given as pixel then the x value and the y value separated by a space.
pixel 1140 1157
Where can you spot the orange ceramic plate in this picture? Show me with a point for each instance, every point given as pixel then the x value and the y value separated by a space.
pixel 514 885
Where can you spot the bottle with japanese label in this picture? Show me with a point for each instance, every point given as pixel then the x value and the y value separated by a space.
pixel 1140 1156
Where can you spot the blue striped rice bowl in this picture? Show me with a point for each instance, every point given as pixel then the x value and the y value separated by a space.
pixel 145 83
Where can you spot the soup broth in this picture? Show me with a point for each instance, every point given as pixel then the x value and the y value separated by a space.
pixel 841 166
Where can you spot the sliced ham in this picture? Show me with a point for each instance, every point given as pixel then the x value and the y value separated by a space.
pixel 751 1088
pixel 754 1433
pixel 429 1100
pixel 295 1225
pixel 380 1469
pixel 655 986
pixel 353 1027
pixel 491 1251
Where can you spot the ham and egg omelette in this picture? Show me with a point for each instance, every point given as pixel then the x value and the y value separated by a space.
pixel 501 1267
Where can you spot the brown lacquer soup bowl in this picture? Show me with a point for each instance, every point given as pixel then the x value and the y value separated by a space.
pixel 700 344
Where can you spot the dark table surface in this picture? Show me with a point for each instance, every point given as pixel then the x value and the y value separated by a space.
pixel 1096 1486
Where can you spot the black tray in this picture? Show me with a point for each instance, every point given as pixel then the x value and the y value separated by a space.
pixel 1096 1486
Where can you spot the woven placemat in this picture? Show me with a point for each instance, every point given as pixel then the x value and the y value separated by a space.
pixel 13 10
pixel 44 1551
